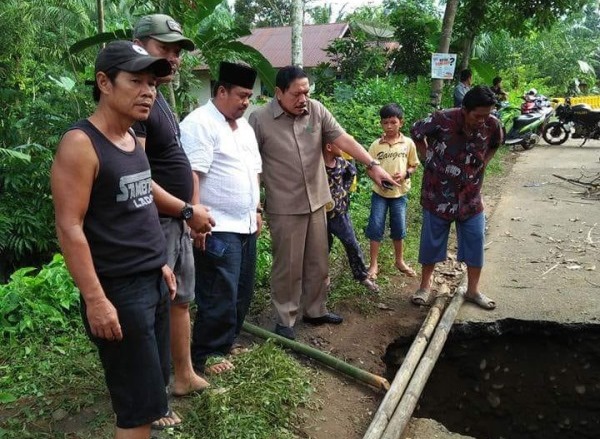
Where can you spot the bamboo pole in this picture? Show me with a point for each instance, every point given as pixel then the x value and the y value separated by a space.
pixel 335 363
pixel 393 396
pixel 409 400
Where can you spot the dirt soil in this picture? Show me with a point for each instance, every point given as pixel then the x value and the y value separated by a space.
pixel 346 407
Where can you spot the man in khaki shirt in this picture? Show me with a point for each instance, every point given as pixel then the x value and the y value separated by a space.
pixel 291 131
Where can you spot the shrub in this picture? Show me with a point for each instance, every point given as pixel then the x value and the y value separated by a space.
pixel 43 302
pixel 26 213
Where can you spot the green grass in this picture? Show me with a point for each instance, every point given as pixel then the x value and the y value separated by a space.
pixel 259 398
pixel 496 166
pixel 344 287
pixel 41 377
pixel 40 380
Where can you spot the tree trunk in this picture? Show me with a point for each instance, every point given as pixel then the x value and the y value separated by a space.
pixel 443 47
pixel 100 7
pixel 172 100
pixel 467 50
pixel 297 18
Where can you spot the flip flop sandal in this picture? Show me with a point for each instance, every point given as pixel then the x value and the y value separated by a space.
pixel 481 300
pixel 372 276
pixel 238 349
pixel 191 393
pixel 420 297
pixel 171 415
pixel 407 271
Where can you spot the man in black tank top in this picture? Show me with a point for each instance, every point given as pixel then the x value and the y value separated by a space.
pixel 173 187
pixel 108 228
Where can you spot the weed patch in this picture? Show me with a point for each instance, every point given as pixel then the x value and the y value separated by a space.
pixel 38 302
pixel 256 400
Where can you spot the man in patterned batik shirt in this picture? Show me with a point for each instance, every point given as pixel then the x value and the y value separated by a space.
pixel 455 147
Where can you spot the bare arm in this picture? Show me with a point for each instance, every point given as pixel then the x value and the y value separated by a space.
pixel 489 155
pixel 259 212
pixel 198 236
pixel 167 204
pixel 496 141
pixel 421 148
pixel 73 172
pixel 355 149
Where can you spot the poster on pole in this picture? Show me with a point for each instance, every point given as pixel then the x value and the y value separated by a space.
pixel 443 65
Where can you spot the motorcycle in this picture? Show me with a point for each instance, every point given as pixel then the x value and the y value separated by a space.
pixel 523 129
pixel 578 121
pixel 534 103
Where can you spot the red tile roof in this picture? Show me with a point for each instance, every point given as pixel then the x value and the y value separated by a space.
pixel 275 43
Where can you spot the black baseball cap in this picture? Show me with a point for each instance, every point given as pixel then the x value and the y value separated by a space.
pixel 162 28
pixel 129 57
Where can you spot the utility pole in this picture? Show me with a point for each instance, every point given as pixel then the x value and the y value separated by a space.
pixel 443 47
pixel 297 22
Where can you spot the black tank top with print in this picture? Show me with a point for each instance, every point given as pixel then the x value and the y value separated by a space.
pixel 121 223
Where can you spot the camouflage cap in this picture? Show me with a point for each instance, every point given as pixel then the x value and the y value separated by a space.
pixel 162 28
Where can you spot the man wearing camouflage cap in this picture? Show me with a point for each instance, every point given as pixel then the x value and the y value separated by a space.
pixel 162 36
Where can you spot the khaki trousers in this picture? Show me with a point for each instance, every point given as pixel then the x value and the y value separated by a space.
pixel 300 264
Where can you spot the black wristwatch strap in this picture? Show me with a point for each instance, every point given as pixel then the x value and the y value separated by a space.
pixel 187 212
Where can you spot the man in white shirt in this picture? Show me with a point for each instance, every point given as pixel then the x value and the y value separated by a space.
pixel 223 153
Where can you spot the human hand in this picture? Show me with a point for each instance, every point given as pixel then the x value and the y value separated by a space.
pixel 170 280
pixel 379 175
pixel 199 240
pixel 201 221
pixel 259 223
pixel 103 319
pixel 398 177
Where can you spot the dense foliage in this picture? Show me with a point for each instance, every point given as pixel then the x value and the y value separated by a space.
pixel 44 302
pixel 260 399
pixel 42 86
pixel 568 47
pixel 417 28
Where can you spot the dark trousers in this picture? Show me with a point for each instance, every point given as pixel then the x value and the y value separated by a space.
pixel 225 273
pixel 136 368
pixel 341 227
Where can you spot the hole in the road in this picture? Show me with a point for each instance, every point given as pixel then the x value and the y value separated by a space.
pixel 514 379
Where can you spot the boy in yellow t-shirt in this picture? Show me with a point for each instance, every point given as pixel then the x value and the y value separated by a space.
pixel 397 154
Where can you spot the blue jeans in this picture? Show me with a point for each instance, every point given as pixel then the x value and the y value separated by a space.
pixel 341 226
pixel 225 274
pixel 379 208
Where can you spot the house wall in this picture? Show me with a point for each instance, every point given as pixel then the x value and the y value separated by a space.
pixel 204 93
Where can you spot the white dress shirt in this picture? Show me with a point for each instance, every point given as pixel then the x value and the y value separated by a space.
pixel 230 163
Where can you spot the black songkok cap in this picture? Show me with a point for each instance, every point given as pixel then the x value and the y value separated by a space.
pixel 237 74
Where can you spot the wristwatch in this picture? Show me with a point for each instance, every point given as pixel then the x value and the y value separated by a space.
pixel 373 163
pixel 186 212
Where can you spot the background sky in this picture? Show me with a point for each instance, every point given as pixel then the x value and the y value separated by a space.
pixel 351 4
pixel 337 5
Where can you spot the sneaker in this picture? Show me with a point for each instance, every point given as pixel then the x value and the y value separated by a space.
pixel 371 285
